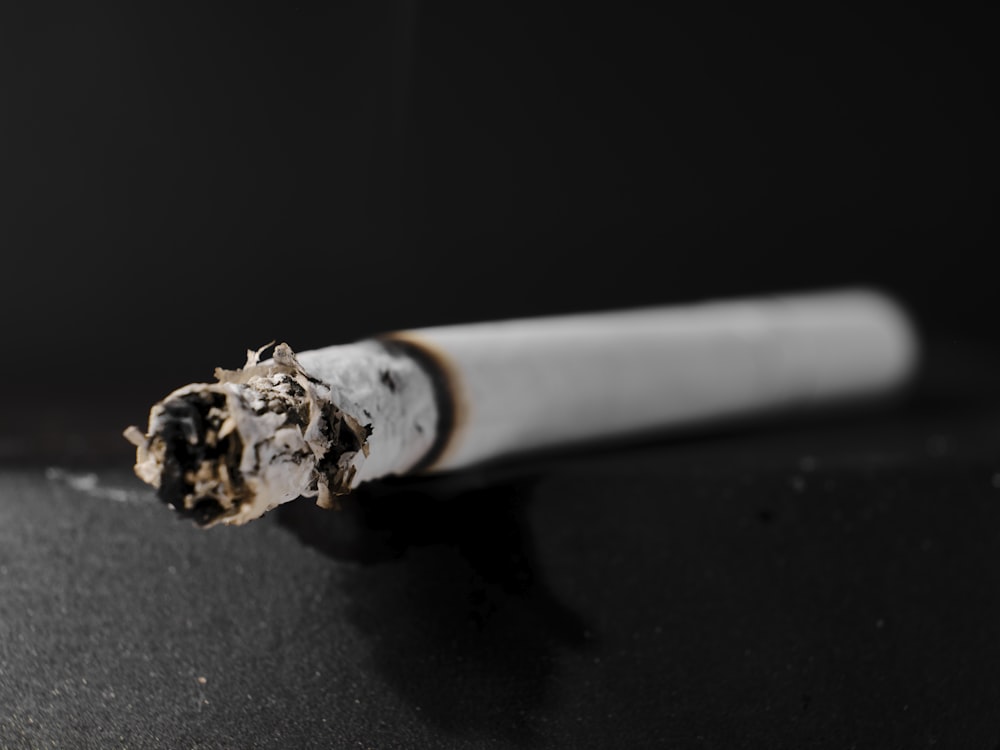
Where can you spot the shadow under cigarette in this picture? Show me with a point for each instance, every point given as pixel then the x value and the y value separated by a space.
pixel 449 597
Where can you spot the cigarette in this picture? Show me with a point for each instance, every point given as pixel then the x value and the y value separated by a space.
pixel 319 423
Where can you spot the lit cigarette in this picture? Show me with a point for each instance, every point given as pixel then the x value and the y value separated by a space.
pixel 320 423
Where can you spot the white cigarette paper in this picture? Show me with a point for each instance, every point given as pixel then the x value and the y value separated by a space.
pixel 320 423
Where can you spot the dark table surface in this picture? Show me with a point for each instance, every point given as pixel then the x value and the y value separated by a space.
pixel 824 582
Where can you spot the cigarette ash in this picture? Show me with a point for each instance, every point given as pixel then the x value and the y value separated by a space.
pixel 199 462
pixel 92 486
pixel 263 435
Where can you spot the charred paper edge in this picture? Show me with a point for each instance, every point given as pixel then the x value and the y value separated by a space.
pixel 452 406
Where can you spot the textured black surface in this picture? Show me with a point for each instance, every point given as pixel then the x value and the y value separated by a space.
pixel 825 583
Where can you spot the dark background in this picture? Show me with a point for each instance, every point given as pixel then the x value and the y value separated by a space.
pixel 178 184
pixel 182 183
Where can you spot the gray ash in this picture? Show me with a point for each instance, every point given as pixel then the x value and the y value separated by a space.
pixel 185 428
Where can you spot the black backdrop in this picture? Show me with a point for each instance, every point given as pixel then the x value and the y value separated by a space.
pixel 181 183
